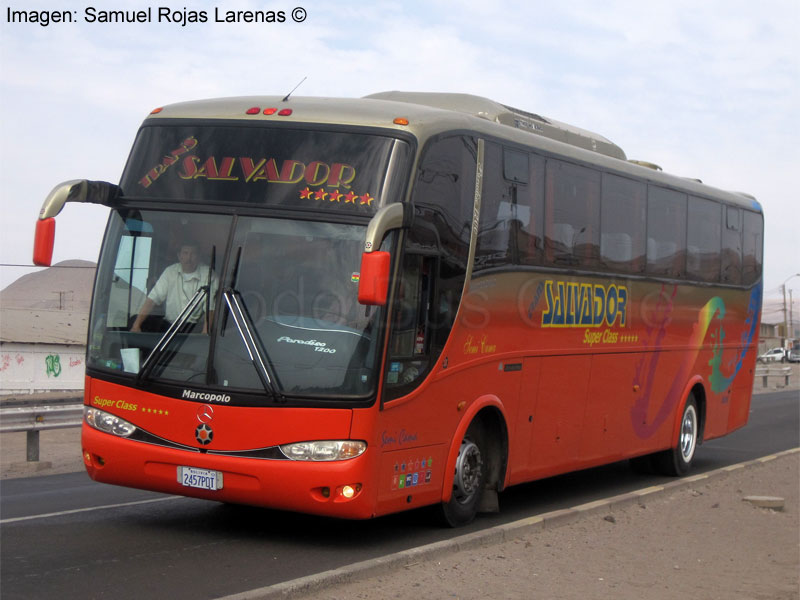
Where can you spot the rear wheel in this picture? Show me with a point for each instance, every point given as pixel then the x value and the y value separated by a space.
pixel 469 478
pixel 678 460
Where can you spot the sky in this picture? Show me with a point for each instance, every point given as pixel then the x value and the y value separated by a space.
pixel 705 89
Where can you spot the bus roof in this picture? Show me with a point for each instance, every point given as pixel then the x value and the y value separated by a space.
pixel 428 114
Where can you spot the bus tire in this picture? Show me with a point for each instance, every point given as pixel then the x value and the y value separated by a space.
pixel 678 460
pixel 469 478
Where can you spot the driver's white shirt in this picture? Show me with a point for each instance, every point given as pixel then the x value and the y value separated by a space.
pixel 175 288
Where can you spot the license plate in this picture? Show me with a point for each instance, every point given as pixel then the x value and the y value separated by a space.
pixel 203 479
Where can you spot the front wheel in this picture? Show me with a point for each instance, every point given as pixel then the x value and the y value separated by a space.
pixel 469 479
pixel 678 460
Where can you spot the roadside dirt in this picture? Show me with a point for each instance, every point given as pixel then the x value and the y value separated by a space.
pixel 703 542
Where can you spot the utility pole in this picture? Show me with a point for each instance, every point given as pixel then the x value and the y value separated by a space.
pixel 785 320
pixel 785 324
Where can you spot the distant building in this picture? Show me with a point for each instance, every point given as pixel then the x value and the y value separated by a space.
pixel 43 324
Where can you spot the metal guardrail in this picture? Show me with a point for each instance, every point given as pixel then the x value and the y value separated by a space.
pixel 33 419
pixel 765 372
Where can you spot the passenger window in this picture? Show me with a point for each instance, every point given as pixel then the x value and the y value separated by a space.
pixel 572 215
pixel 495 246
pixel 511 202
pixel 529 219
pixel 703 240
pixel 623 223
pixel 752 247
pixel 732 246
pixel 666 232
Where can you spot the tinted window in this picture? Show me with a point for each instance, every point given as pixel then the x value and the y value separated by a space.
pixel 515 166
pixel 434 263
pixel 623 224
pixel 666 232
pixel 510 222
pixel 530 215
pixel 498 208
pixel 732 246
pixel 703 240
pixel 752 247
pixel 572 215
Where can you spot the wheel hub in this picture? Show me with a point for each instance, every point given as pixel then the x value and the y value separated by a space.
pixel 688 434
pixel 468 471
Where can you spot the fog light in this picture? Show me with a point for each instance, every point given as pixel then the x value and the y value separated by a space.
pixel 347 492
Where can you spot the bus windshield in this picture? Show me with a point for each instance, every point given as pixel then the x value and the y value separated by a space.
pixel 282 304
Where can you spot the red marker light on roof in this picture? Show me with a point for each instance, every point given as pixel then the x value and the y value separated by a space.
pixel 400 121
pixel 270 111
pixel 285 112
pixel 155 111
pixel 253 111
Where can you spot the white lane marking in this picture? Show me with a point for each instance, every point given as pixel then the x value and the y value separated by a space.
pixel 89 509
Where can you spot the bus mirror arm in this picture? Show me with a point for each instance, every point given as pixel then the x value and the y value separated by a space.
pixel 373 283
pixel 76 190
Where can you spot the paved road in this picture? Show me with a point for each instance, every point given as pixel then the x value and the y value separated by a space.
pixel 162 547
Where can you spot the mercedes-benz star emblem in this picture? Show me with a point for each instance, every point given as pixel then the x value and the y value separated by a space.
pixel 205 413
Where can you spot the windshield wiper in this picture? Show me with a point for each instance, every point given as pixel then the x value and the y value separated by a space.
pixel 171 332
pixel 244 323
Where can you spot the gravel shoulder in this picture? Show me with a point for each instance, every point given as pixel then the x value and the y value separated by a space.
pixel 701 541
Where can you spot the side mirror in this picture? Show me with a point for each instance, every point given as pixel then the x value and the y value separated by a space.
pixel 77 190
pixel 373 284
pixel 43 241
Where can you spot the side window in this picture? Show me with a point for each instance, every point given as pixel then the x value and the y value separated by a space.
pixel 703 240
pixel 752 247
pixel 131 270
pixel 572 215
pixel 529 222
pixel 510 221
pixel 732 245
pixel 412 319
pixel 666 232
pixel 498 201
pixel 434 262
pixel 623 224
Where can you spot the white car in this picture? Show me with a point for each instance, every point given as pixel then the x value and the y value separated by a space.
pixel 774 355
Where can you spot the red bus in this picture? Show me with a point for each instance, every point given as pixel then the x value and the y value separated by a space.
pixel 353 307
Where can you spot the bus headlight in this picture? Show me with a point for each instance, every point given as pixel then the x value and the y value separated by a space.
pixel 324 450
pixel 100 419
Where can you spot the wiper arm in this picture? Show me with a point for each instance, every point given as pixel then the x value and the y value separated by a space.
pixel 170 333
pixel 244 323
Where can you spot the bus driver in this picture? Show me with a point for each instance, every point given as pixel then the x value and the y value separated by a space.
pixel 177 286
